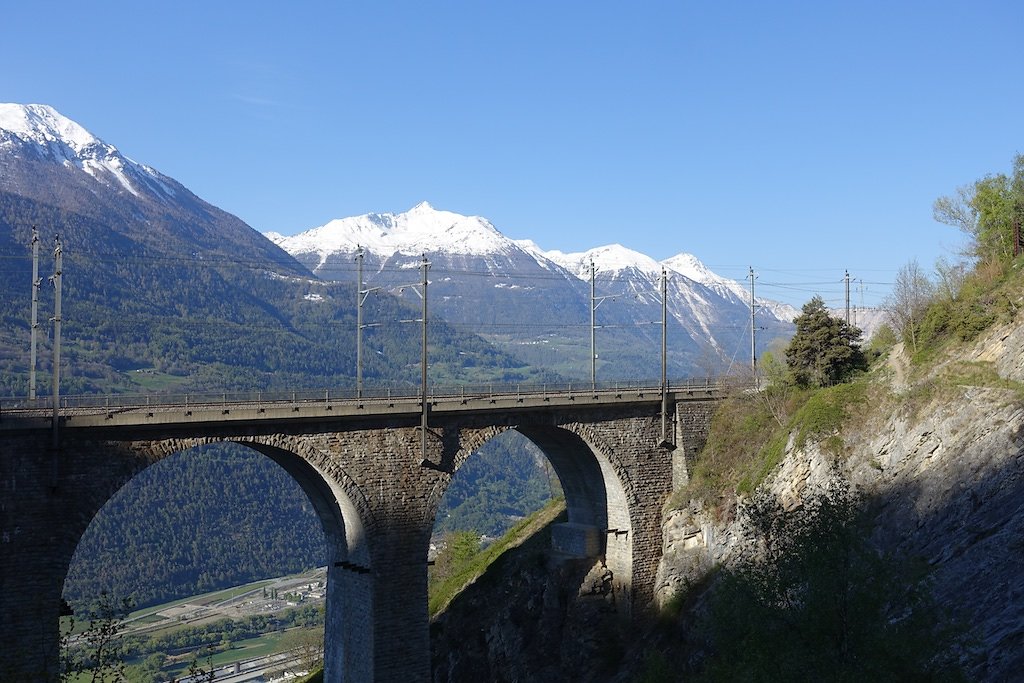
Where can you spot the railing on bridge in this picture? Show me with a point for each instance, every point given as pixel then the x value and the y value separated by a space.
pixel 124 402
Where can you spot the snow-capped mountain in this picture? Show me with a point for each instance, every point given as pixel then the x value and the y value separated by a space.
pixel 159 279
pixel 46 157
pixel 398 241
pixel 478 276
pixel 420 230
pixel 691 267
pixel 39 130
pixel 538 303
pixel 699 300
pixel 610 258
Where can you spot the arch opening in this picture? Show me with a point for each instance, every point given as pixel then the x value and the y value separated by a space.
pixel 576 575
pixel 209 518
pixel 597 522
pixel 598 513
pixel 505 480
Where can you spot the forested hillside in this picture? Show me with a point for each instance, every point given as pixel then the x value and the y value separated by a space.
pixel 204 321
pixel 207 518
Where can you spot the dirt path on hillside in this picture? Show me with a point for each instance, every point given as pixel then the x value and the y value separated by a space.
pixel 900 366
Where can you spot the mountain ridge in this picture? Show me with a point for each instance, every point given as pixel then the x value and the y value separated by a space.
pixel 484 277
pixel 42 130
pixel 342 235
pixel 82 175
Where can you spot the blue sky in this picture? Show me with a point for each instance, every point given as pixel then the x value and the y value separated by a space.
pixel 800 138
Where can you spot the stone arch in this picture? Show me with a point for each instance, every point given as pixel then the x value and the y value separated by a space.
pixel 343 513
pixel 475 440
pixel 96 485
pixel 469 442
pixel 338 503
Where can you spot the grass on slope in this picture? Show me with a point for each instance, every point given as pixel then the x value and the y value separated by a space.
pixel 442 592
pixel 750 432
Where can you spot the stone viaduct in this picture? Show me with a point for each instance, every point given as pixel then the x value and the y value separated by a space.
pixel 617 454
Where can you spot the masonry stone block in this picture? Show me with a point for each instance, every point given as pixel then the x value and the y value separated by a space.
pixel 577 541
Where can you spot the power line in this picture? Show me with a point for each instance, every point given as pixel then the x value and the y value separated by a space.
pixel 261 265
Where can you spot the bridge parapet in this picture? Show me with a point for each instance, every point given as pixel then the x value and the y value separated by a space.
pixel 100 402
pixel 162 411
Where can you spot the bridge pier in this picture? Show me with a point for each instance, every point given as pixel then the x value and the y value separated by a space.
pixel 33 564
pixel 46 503
pixel 393 497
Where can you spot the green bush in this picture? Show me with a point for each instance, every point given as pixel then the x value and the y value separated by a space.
pixel 986 297
pixel 746 442
pixel 741 428
pixel 770 455
pixel 825 411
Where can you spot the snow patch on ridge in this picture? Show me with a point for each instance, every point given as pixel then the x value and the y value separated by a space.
pixel 41 123
pixel 690 266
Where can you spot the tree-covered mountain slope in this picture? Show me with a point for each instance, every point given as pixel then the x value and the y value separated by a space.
pixel 203 519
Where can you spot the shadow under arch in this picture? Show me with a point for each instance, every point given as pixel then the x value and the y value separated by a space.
pixel 578 470
pixel 339 516
pixel 348 643
pixel 598 525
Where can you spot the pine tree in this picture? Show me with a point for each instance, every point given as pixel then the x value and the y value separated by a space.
pixel 825 349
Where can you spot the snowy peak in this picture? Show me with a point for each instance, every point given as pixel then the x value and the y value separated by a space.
pixel 420 230
pixel 690 266
pixel 610 259
pixel 54 136
pixel 42 124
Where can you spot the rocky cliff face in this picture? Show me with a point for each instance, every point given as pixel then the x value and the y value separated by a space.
pixel 939 459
